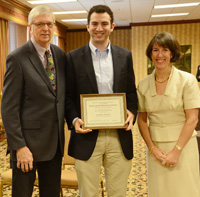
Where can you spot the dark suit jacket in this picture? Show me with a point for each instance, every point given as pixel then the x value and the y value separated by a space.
pixel 198 73
pixel 81 80
pixel 33 115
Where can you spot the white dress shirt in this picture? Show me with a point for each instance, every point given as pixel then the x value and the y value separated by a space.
pixel 103 67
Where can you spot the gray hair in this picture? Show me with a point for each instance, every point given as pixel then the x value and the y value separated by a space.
pixel 39 10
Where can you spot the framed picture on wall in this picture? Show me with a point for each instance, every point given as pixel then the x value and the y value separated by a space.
pixel 183 64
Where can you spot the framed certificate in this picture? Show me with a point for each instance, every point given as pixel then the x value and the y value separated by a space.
pixel 103 111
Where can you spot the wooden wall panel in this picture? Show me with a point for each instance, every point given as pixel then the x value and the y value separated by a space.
pixel 62 43
pixel 77 39
pixel 121 37
pixel 60 31
pixel 11 13
pixel 186 34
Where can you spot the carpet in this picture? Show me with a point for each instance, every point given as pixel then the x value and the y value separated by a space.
pixel 137 182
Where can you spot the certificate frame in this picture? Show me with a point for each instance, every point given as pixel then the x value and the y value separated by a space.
pixel 103 111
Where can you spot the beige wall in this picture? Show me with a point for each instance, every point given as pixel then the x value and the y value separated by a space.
pixel 122 38
pixel 186 34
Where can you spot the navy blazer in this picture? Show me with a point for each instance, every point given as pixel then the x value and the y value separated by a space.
pixel 81 80
pixel 33 115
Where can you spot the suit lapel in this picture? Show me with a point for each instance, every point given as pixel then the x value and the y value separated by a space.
pixel 87 59
pixel 116 67
pixel 36 62
pixel 60 71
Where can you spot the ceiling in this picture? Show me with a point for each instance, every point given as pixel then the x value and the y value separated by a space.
pixel 125 11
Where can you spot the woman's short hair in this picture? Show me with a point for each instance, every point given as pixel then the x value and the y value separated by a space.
pixel 166 40
pixel 39 10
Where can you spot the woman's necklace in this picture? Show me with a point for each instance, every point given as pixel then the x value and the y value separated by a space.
pixel 162 80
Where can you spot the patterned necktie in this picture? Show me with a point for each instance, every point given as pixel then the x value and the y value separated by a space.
pixel 50 69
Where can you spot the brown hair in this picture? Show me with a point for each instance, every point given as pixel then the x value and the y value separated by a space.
pixel 166 40
pixel 100 9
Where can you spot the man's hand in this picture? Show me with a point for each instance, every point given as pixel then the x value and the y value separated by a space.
pixel 129 120
pixel 78 127
pixel 24 159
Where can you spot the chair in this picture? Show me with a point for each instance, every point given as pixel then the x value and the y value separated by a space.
pixel 68 176
pixel 6 180
pixel 2 130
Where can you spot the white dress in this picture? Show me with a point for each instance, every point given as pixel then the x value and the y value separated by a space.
pixel 166 120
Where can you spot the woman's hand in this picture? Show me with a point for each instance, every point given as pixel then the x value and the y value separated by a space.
pixel 172 158
pixel 159 155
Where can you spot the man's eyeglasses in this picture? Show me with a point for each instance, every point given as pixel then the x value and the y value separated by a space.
pixel 50 25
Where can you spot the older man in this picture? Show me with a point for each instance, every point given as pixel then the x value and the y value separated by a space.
pixel 33 108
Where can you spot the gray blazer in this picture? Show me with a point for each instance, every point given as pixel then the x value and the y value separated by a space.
pixel 81 80
pixel 32 114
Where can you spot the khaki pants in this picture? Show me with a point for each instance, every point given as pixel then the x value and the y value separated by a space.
pixel 108 152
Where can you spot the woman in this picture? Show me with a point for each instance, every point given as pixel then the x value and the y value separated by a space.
pixel 170 99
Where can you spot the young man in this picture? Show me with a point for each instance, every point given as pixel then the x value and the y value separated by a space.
pixel 33 108
pixel 100 67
